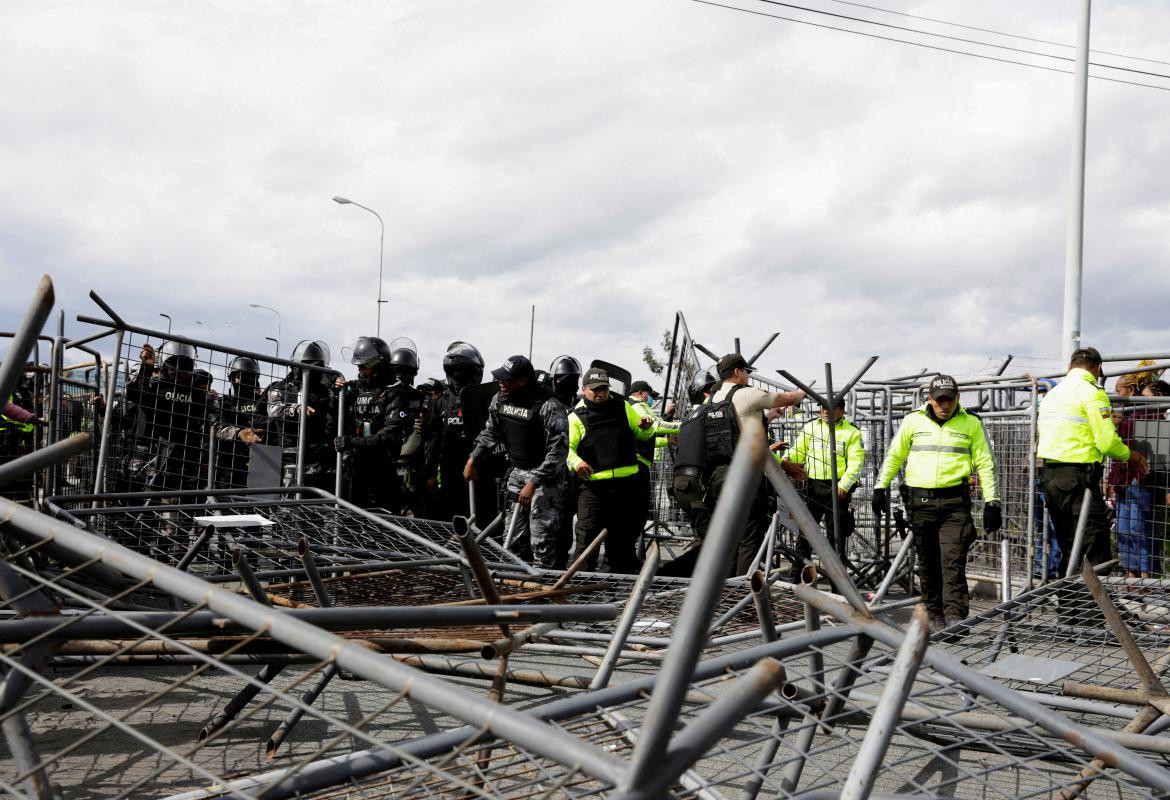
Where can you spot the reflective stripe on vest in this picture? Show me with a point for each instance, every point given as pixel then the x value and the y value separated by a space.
pixel 940 448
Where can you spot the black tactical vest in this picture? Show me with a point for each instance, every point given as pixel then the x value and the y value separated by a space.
pixel 608 442
pixel 522 428
pixel 691 450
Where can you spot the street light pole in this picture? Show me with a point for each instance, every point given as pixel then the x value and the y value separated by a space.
pixel 381 249
pixel 1075 238
pixel 168 316
pixel 277 313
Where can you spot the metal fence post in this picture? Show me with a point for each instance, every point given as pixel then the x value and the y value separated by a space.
pixel 302 428
pixel 99 481
pixel 340 432
pixel 691 628
pixel 859 782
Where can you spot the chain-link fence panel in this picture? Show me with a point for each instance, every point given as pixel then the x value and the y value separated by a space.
pixel 188 414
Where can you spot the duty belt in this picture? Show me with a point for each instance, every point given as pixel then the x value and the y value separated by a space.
pixel 1094 469
pixel 959 490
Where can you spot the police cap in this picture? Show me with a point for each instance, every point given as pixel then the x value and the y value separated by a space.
pixel 731 362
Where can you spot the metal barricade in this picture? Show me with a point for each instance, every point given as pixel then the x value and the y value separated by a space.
pixel 189 424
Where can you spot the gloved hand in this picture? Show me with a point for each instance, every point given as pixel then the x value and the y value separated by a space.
pixel 880 502
pixel 343 444
pixel 992 517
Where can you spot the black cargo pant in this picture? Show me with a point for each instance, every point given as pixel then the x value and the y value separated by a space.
pixel 818 495
pixel 613 504
pixel 1064 494
pixel 692 497
pixel 943 535
pixel 756 523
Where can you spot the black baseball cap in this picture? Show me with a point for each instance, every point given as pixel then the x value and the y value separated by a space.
pixel 1090 354
pixel 513 367
pixel 595 378
pixel 643 386
pixel 943 386
pixel 731 362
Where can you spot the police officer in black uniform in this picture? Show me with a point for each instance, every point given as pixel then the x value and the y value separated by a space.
pixel 449 442
pixel 406 409
pixel 371 444
pixel 243 420
pixel 282 398
pixel 531 425
pixel 691 476
pixel 564 376
pixel 175 414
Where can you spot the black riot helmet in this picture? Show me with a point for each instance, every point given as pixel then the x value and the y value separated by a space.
pixel 564 365
pixel 246 369
pixel 177 360
pixel 565 373
pixel 701 383
pixel 463 365
pixel 404 360
pixel 311 351
pixel 370 351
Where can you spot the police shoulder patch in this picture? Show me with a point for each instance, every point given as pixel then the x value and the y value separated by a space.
pixel 1105 412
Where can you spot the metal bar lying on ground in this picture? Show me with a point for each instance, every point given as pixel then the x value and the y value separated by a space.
pixel 547 741
pixel 860 780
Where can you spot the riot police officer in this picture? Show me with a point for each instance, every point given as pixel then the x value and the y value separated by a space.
pixel 242 422
pixel 175 413
pixel 283 404
pixel 564 381
pixel 406 410
pixel 449 440
pixel 690 484
pixel 371 443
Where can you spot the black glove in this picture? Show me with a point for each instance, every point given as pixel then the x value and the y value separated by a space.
pixel 992 517
pixel 343 444
pixel 881 502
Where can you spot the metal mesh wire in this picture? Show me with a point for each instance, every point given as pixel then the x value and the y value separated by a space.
pixel 179 424
pixel 1140 503
pixel 94 727
pixel 949 741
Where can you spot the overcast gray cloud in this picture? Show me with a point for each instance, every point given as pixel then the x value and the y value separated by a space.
pixel 609 162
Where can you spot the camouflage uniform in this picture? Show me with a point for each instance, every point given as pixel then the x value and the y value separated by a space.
pixel 531 424
pixel 538 531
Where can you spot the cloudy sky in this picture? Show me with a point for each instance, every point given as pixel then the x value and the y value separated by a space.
pixel 609 161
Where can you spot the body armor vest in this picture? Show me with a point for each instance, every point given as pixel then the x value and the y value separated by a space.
pixel 608 442
pixel 522 427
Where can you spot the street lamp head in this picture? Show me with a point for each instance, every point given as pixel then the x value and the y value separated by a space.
pixel 342 200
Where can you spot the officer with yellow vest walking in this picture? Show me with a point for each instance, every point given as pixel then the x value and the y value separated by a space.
pixel 1076 433
pixel 812 452
pixel 940 444
pixel 603 434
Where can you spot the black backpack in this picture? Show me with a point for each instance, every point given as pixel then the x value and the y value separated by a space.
pixel 721 425
pixel 691 450
pixel 707 437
